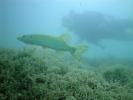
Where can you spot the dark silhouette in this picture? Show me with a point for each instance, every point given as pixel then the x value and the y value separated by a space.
pixel 95 26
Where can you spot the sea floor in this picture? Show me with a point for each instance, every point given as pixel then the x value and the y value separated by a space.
pixel 36 74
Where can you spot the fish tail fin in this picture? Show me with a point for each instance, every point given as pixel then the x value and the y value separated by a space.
pixel 78 51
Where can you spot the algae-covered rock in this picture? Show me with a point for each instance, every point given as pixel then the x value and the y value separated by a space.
pixel 25 75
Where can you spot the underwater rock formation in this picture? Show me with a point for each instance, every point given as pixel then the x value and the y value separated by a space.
pixel 95 26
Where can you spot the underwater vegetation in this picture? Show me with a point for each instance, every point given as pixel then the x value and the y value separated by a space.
pixel 38 74
pixel 95 26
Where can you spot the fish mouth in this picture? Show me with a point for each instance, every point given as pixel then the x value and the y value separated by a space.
pixel 19 38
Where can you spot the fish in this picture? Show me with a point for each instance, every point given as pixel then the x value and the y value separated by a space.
pixel 52 42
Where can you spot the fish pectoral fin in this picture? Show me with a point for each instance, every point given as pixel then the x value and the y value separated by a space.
pixel 65 37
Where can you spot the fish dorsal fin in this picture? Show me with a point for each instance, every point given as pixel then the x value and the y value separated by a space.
pixel 65 37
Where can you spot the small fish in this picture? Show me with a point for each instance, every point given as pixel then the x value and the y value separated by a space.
pixel 56 43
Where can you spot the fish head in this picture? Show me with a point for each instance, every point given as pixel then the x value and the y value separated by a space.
pixel 26 39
